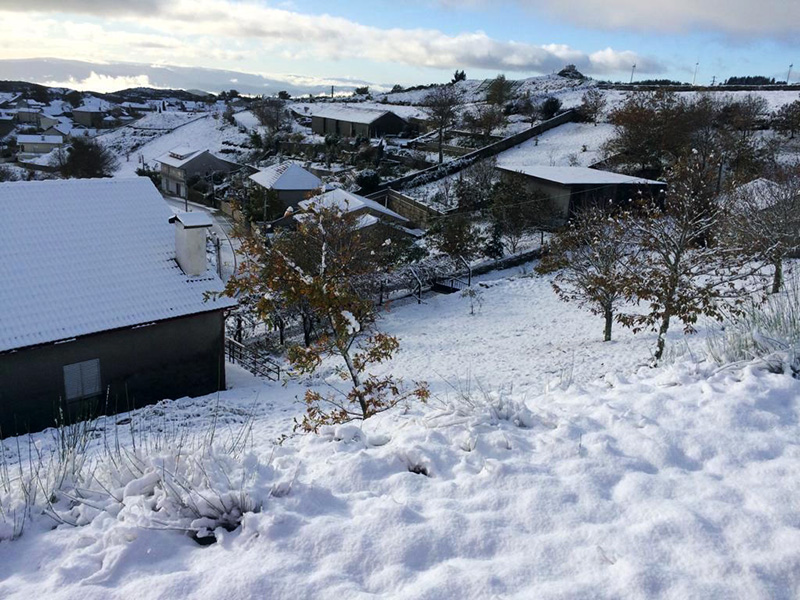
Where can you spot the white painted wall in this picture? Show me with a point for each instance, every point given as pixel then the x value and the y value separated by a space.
pixel 190 248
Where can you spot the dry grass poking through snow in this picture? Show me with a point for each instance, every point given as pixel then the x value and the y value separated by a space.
pixel 678 482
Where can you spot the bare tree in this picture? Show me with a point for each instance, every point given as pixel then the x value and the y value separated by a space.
pixel 592 259
pixel 517 211
pixel 684 269
pixel 786 119
pixel 271 113
pixel 484 120
pixel 528 108
pixel 442 104
pixel 766 216
pixel 592 104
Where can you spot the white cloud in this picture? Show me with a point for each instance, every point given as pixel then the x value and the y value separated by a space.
pixel 224 28
pixel 755 18
pixel 103 83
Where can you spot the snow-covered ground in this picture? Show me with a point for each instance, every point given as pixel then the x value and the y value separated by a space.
pixel 134 145
pixel 548 464
pixel 474 90
pixel 571 144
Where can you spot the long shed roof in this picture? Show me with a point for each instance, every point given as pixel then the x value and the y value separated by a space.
pixel 578 175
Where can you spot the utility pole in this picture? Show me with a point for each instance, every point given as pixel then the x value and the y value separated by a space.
pixel 331 91
pixel 697 64
pixel 633 68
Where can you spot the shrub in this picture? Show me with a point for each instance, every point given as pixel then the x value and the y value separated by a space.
pixel 768 331
pixel 369 181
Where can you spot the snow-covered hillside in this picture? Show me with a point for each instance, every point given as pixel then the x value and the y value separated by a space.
pixel 474 90
pixel 548 464
pixel 147 142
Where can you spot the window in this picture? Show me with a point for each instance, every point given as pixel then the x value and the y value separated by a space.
pixel 82 380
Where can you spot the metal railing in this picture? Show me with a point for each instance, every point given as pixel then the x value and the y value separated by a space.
pixel 252 359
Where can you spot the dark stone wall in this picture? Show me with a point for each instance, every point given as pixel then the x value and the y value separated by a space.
pixel 167 359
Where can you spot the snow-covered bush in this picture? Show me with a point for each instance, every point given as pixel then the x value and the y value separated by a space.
pixel 148 475
pixel 768 331
pixel 475 408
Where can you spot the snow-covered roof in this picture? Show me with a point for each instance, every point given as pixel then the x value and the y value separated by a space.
pixel 135 105
pixel 9 96
pixel 361 222
pixel 40 139
pixel 341 112
pixel 191 220
pixel 348 202
pixel 759 193
pixel 578 175
pixel 63 128
pixel 92 104
pixel 286 176
pixel 87 255
pixel 179 156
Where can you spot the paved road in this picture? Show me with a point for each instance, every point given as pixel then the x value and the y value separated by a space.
pixel 222 227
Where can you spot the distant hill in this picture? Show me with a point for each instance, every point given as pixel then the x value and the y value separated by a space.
pixel 97 77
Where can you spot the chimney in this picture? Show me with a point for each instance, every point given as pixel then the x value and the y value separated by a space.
pixel 190 241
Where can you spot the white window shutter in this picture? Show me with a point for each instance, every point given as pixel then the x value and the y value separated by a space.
pixel 90 377
pixel 82 379
pixel 72 381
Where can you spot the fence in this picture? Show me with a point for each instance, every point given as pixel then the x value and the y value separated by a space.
pixel 625 87
pixel 252 360
pixel 441 171
pixel 446 148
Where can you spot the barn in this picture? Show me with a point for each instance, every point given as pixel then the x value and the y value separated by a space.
pixel 350 121
pixel 572 188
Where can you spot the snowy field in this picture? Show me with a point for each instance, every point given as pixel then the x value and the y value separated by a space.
pixel 548 464
pixel 560 147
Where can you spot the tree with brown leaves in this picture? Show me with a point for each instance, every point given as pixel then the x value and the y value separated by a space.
pixel 592 259
pixel 328 265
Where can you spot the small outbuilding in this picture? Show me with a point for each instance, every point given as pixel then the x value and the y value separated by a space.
pixel 289 180
pixel 39 144
pixel 572 188
pixel 369 212
pixel 104 301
